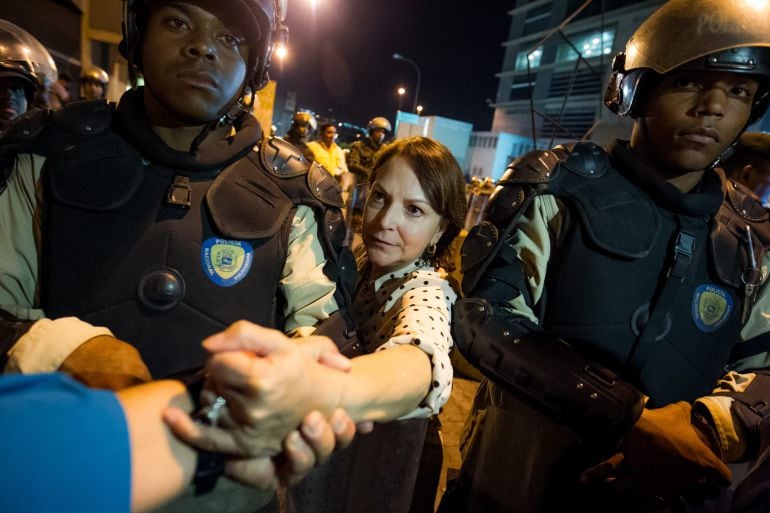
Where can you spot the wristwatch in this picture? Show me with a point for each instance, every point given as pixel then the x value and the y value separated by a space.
pixel 210 465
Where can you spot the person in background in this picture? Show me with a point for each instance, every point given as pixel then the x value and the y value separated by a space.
pixel 616 299
pixel 59 91
pixel 360 160
pixel 362 153
pixel 402 310
pixel 93 83
pixel 750 164
pixel 327 152
pixel 26 68
pixel 303 126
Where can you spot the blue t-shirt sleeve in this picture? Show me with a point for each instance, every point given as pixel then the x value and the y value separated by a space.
pixel 65 447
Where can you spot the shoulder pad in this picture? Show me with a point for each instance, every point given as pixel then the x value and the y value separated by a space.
pixel 743 202
pixel 26 126
pixel 533 167
pixel 586 159
pixel 504 203
pixel 323 186
pixel 281 158
pixel 740 210
pixel 85 117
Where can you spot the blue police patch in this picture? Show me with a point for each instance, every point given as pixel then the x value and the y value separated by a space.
pixel 226 262
pixel 711 307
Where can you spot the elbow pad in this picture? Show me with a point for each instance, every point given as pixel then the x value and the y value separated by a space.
pixel 546 372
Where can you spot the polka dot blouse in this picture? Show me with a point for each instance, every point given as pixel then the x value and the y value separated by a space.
pixel 410 306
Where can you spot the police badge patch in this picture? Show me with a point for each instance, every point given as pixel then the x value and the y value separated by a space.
pixel 226 262
pixel 711 307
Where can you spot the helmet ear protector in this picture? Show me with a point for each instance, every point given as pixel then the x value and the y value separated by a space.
pixel 622 87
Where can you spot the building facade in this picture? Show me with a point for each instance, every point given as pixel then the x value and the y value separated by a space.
pixel 557 60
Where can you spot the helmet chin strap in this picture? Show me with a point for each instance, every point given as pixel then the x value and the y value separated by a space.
pixel 726 154
pixel 234 116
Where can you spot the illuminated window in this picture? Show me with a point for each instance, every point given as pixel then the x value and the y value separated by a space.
pixel 590 45
pixel 534 59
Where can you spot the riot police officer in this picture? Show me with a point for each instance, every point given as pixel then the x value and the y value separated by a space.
pixel 361 156
pixel 303 126
pixel 607 290
pixel 26 68
pixel 93 83
pixel 167 217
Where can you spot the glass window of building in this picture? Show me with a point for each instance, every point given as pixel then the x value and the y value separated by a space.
pixel 591 44
pixel 596 8
pixel 534 59
pixel 538 19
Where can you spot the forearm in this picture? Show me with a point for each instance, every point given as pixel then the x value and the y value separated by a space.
pixel 386 385
pixel 161 465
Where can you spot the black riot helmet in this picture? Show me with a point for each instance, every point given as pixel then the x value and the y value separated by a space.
pixel 267 16
pixel 24 57
pixel 710 35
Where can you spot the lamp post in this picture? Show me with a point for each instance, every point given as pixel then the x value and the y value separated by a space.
pixel 401 92
pixel 399 57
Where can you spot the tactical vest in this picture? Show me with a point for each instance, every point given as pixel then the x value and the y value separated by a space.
pixel 166 256
pixel 655 288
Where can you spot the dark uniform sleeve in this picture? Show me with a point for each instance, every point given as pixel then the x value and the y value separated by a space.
pixel 354 162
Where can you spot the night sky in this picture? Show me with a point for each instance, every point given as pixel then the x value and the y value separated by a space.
pixel 341 56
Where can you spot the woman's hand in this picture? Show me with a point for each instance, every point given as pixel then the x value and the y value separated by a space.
pixel 270 382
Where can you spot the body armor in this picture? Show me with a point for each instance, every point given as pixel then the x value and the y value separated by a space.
pixel 361 158
pixel 162 247
pixel 671 326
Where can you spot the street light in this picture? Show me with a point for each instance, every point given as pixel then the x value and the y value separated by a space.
pixel 399 57
pixel 281 51
pixel 401 92
pixel 419 110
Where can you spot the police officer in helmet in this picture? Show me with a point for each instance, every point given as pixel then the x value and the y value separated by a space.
pixel 26 68
pixel 361 156
pixel 303 126
pixel 613 298
pixel 139 229
pixel 93 83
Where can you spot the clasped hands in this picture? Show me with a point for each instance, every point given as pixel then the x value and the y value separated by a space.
pixel 282 414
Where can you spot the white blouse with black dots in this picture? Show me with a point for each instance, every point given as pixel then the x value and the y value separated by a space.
pixel 410 306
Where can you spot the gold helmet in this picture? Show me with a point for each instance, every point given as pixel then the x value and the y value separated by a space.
pixel 379 122
pixel 95 74
pixel 303 118
pixel 710 35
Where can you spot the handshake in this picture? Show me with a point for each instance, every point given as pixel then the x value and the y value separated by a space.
pixel 270 404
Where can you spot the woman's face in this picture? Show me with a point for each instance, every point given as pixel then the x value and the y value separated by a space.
pixel 399 221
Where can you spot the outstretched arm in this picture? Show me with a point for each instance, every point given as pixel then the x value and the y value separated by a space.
pixel 162 466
